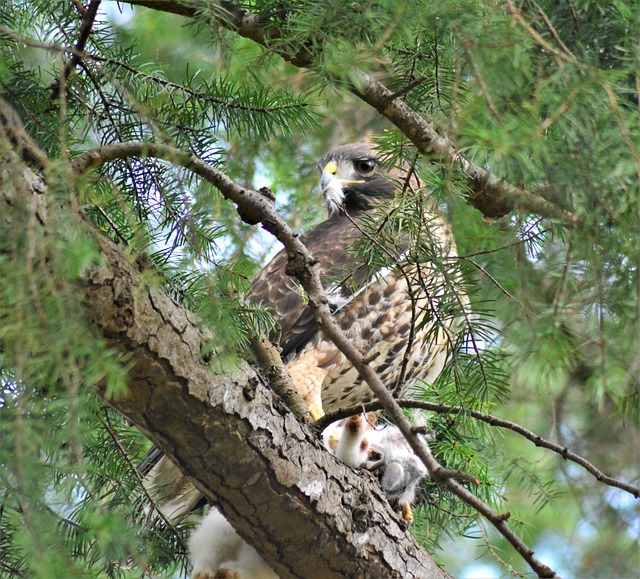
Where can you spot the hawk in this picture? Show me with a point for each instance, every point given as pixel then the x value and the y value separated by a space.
pixel 392 314
pixel 392 325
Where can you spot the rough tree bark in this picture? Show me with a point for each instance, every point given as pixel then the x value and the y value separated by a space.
pixel 307 514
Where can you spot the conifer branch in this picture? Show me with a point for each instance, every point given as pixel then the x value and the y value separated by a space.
pixel 254 208
pixel 566 138
pixel 132 467
pixel 227 103
pixel 492 196
pixel 170 381
pixel 12 130
pixel 88 18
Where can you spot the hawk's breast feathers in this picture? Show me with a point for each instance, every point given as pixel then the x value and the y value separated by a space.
pixel 385 313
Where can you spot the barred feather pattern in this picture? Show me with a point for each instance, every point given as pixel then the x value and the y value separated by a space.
pixel 379 322
pixel 391 316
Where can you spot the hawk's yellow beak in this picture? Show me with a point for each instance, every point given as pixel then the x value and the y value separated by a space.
pixel 331 167
pixel 330 174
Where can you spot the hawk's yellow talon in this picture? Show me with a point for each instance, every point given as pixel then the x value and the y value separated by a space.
pixel 316 413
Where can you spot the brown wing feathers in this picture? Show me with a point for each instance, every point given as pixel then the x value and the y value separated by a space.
pixel 373 308
pixel 329 243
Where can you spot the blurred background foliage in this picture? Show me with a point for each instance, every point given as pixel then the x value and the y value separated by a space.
pixel 543 94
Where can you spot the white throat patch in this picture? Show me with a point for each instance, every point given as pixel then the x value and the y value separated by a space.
pixel 333 196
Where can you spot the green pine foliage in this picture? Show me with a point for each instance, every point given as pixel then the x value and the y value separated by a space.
pixel 542 94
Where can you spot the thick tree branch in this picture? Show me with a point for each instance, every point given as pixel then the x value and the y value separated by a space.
pixel 309 515
pixel 492 196
pixel 253 207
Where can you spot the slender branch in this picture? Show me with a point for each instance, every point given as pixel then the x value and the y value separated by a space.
pixel 493 552
pixel 551 120
pixel 132 467
pixel 254 208
pixel 495 282
pixel 492 196
pixel 484 89
pixel 540 442
pixel 79 7
pixel 274 370
pixel 198 94
pixel 88 19
pixel 553 31
pixel 504 247
pixel 563 55
pixel 408 88
pixel 113 226
pixel 626 136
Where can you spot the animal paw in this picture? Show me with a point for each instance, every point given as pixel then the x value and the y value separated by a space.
pixel 406 512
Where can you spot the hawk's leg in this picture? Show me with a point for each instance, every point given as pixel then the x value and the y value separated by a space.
pixel 308 378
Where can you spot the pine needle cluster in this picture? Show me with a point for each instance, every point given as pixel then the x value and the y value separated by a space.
pixel 542 313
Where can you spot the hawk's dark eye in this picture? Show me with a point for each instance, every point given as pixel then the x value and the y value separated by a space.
pixel 365 166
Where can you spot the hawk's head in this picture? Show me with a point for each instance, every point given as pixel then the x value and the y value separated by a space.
pixel 352 177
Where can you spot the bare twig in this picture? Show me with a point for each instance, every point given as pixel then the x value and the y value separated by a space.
pixel 540 442
pixel 88 19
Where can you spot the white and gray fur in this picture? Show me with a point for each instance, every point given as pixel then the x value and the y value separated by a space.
pixel 357 442
pixel 217 551
pixel 403 470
